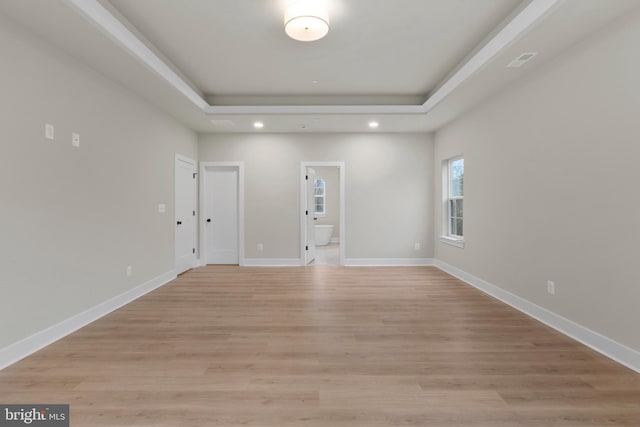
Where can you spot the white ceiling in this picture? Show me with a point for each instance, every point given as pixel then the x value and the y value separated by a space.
pixel 374 47
pixel 385 57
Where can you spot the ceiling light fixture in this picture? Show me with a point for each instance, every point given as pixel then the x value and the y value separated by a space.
pixel 306 20
pixel 374 125
pixel 258 125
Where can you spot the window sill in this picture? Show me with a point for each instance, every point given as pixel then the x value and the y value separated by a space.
pixel 453 241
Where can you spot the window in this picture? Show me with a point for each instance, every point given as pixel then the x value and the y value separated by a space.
pixel 320 197
pixel 454 199
pixel 456 196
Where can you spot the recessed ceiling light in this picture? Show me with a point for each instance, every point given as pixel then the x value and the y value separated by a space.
pixel 374 125
pixel 315 82
pixel 258 125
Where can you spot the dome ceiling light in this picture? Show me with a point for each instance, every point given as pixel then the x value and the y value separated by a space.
pixel 306 20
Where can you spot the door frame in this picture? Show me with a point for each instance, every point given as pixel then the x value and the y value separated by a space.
pixel 194 164
pixel 212 166
pixel 310 252
pixel 303 206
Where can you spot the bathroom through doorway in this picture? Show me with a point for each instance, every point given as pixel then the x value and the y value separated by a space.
pixel 322 219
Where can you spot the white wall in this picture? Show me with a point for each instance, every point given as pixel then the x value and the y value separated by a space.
pixel 72 219
pixel 388 189
pixel 551 185
pixel 331 176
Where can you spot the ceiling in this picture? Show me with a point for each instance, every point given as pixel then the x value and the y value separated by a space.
pixel 374 47
pixel 221 65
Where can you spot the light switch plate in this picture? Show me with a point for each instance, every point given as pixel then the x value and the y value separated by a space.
pixel 75 139
pixel 162 208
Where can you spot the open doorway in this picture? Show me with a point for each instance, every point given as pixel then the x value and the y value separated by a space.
pixel 322 224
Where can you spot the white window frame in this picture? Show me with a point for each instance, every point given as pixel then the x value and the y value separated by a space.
pixel 447 236
pixel 324 197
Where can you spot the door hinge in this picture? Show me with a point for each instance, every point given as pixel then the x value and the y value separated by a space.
pixel 194 213
pixel 306 248
pixel 306 177
pixel 194 250
pixel 194 175
pixel 306 212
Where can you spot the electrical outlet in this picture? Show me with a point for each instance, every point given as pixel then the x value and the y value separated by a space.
pixel 162 208
pixel 260 247
pixel 75 139
pixel 129 271
pixel 417 246
pixel 551 287
pixel 49 131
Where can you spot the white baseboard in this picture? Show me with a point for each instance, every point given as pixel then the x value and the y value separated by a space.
pixel 272 262
pixel 387 262
pixel 23 348
pixel 608 347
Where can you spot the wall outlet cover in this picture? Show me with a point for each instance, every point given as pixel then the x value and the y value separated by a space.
pixel 49 131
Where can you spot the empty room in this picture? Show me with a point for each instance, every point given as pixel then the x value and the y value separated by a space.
pixel 319 213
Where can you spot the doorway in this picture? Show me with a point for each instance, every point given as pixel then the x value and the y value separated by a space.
pixel 322 213
pixel 222 207
pixel 185 213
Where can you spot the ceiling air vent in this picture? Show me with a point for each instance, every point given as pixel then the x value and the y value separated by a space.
pixel 223 123
pixel 522 59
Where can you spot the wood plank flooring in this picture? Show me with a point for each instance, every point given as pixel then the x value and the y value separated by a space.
pixel 323 346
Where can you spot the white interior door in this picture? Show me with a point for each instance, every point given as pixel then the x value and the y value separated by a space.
pixel 311 217
pixel 185 214
pixel 221 220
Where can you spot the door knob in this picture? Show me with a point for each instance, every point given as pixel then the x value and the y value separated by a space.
pixel 179 223
pixel 208 219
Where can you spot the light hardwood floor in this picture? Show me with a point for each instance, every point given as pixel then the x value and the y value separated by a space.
pixel 323 346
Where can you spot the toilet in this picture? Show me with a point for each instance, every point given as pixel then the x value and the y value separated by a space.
pixel 323 234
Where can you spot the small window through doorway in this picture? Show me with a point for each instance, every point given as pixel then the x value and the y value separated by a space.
pixel 320 197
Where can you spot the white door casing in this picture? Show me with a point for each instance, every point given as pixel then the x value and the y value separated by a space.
pixel 185 213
